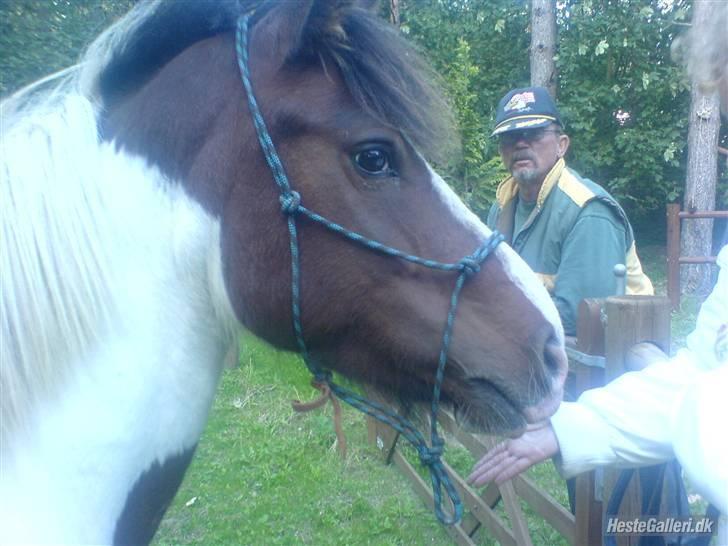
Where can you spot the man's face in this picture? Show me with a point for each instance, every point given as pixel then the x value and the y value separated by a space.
pixel 530 154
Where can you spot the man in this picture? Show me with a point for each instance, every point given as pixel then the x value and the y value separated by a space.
pixel 568 229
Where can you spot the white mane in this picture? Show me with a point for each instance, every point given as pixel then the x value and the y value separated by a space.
pixel 73 211
pixel 55 280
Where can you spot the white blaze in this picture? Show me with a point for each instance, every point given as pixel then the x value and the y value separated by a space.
pixel 514 266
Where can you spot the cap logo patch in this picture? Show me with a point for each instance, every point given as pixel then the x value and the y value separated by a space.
pixel 520 101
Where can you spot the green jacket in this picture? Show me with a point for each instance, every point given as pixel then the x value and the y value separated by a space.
pixel 572 239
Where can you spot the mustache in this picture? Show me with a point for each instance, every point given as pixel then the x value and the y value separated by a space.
pixel 523 154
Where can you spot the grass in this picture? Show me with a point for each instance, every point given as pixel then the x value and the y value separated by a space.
pixel 266 475
pixel 653 259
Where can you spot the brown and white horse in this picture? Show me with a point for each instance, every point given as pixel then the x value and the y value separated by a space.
pixel 141 229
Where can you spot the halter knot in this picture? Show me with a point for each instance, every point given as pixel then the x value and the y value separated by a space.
pixel 290 201
pixel 469 266
pixel 431 455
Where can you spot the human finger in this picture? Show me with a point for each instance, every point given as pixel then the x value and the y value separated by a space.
pixel 512 470
pixel 487 474
pixel 493 457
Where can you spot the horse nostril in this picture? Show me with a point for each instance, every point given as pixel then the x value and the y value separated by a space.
pixel 554 358
pixel 555 367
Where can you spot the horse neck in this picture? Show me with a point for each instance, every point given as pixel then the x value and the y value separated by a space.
pixel 112 293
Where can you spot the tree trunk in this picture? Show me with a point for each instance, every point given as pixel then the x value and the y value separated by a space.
pixel 394 12
pixel 702 173
pixel 543 44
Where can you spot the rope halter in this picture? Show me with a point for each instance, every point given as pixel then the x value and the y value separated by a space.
pixel 291 205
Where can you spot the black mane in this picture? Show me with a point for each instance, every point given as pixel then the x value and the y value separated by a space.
pixel 169 29
pixel 386 76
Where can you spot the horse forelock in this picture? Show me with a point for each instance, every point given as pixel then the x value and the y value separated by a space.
pixel 384 73
pixel 390 80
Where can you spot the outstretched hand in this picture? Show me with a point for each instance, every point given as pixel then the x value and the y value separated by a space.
pixel 512 457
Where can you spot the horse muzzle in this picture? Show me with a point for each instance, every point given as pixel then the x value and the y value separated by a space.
pixel 557 366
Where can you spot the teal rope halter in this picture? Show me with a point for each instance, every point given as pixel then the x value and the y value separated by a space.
pixel 291 206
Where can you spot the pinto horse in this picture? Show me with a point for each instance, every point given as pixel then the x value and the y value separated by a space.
pixel 141 228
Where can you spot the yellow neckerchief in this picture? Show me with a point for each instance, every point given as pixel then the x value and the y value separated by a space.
pixel 508 189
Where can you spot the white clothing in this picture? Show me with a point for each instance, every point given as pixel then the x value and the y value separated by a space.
pixel 673 408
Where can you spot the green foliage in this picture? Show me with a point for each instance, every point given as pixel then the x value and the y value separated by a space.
pixel 38 37
pixel 624 100
pixel 481 50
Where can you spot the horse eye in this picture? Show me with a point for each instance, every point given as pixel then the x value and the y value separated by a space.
pixel 374 161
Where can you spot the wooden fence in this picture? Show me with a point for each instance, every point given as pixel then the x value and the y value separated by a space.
pixel 607 329
pixel 674 260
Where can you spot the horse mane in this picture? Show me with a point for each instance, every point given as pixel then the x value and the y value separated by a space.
pixel 391 81
pixel 57 278
pixel 55 281
pixel 385 75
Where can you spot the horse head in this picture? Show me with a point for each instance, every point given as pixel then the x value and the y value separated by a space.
pixel 353 113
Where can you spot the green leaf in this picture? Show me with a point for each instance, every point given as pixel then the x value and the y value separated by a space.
pixel 669 153
pixel 646 12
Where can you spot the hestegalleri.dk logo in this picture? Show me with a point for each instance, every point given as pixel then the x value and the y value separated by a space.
pixel 659 526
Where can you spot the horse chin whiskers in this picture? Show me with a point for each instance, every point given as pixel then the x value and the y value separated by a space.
pixel 486 408
pixel 491 421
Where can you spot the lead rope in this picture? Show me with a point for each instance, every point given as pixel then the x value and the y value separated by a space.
pixel 430 456
pixel 326 396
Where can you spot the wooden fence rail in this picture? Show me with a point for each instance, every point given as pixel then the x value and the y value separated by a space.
pixel 674 260
pixel 599 355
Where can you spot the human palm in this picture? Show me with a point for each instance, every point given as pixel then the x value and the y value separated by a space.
pixel 512 457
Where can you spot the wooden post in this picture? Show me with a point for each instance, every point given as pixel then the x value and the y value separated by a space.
pixel 631 320
pixel 382 436
pixel 673 254
pixel 590 340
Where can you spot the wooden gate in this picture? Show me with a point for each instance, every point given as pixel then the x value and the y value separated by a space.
pixel 674 260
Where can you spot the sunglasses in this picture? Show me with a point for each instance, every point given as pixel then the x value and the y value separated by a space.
pixel 529 135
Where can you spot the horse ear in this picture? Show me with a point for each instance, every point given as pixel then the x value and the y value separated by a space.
pixel 292 29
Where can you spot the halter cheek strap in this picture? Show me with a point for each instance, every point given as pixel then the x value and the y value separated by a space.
pixel 291 206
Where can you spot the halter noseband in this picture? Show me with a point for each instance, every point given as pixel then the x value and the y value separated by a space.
pixel 291 206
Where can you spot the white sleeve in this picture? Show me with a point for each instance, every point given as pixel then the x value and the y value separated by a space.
pixel 671 408
pixel 700 436
pixel 628 422
pixel 709 341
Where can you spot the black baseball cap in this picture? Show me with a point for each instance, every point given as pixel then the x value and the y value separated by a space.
pixel 525 108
